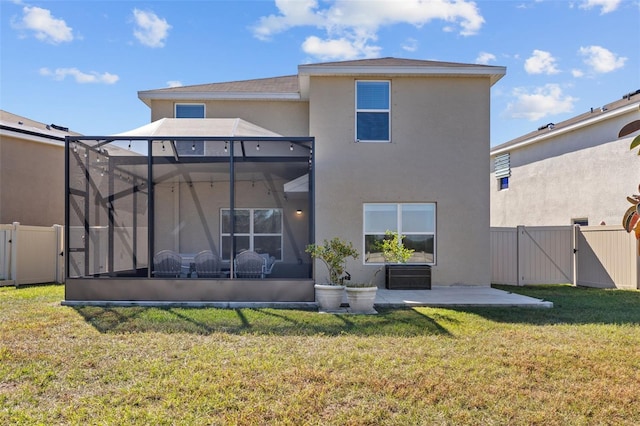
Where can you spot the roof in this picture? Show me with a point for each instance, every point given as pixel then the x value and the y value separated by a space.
pixel 25 128
pixel 295 87
pixel 629 102
pixel 199 127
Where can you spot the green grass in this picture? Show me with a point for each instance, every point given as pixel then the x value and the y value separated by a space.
pixel 578 363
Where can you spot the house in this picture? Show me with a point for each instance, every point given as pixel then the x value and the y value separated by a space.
pixel 578 171
pixel 31 171
pixel 347 149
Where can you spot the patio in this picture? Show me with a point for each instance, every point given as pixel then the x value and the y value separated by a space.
pixel 183 187
pixel 454 296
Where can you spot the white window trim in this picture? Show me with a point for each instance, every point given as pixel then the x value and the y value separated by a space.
pixel 175 107
pixel 251 233
pixel 399 226
pixel 388 111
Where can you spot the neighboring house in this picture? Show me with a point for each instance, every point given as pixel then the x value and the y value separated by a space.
pixel 31 171
pixel 346 149
pixel 578 171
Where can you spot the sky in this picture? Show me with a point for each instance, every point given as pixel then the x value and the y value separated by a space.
pixel 80 64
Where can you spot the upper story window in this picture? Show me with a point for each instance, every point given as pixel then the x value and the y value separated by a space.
pixel 503 183
pixel 373 111
pixel 190 111
pixel 502 170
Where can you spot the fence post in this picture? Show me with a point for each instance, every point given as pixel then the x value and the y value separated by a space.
pixel 576 254
pixel 59 253
pixel 14 253
pixel 519 254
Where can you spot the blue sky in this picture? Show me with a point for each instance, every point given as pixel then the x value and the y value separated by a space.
pixel 80 64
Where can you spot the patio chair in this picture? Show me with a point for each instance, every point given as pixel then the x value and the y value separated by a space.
pixel 249 264
pixel 269 261
pixel 167 264
pixel 207 264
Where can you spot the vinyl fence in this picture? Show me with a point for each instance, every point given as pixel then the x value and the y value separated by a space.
pixel 596 256
pixel 31 254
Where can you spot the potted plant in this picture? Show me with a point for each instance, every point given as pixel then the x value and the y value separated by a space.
pixel 334 254
pixel 398 275
pixel 362 296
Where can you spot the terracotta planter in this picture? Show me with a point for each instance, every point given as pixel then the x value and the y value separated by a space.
pixel 329 297
pixel 362 299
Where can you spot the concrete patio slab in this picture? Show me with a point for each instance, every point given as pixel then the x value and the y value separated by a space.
pixel 454 296
pixel 468 296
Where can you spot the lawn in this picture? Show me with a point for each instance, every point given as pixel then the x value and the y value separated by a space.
pixel 575 364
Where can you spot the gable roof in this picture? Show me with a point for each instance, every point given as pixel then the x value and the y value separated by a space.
pixel 629 102
pixel 295 87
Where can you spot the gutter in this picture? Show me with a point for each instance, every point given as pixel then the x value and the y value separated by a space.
pixel 36 136
pixel 563 130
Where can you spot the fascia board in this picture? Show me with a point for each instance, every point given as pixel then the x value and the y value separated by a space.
pixel 59 141
pixel 494 73
pixel 211 96
pixel 563 130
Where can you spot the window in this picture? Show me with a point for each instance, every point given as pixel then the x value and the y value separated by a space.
pixel 416 221
pixel 503 183
pixel 502 170
pixel 373 111
pixel 189 111
pixel 259 230
pixel 581 221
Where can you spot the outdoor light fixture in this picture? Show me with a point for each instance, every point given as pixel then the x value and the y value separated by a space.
pixel 193 147
pixel 225 147
pixel 299 212
pixel 291 147
pixel 258 147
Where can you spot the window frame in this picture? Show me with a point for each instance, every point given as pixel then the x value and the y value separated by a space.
pixel 503 183
pixel 252 234
pixel 372 110
pixel 398 207
pixel 178 104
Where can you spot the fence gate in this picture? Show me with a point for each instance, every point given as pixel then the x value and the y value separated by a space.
pixel 31 254
pixel 532 255
pixel 592 256
pixel 606 258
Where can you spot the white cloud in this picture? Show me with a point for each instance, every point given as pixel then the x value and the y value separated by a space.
pixel 601 60
pixel 577 73
pixel 46 27
pixel 150 30
pixel 337 49
pixel 605 6
pixel 541 102
pixel 352 26
pixel 410 45
pixel 541 62
pixel 484 58
pixel 174 83
pixel 79 76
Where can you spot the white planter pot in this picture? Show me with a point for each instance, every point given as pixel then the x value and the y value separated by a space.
pixel 361 299
pixel 329 297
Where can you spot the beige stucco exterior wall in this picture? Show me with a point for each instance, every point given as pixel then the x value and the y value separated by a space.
pixel 283 117
pixel 31 182
pixel 440 133
pixel 587 173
